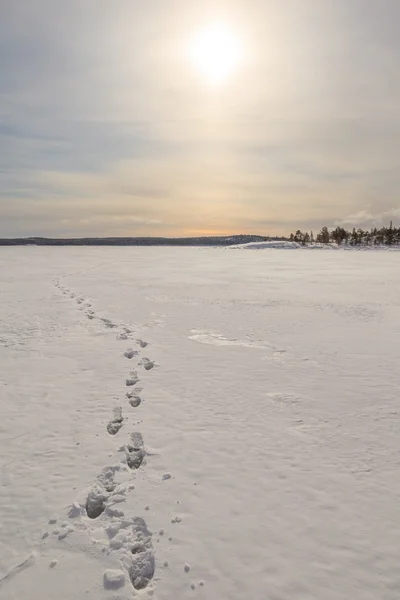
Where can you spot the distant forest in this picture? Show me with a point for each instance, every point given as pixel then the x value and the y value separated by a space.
pixel 386 236
pixel 223 240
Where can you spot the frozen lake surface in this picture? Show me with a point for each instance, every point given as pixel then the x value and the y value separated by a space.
pixel 199 423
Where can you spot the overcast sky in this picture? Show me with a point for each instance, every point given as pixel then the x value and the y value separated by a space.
pixel 107 128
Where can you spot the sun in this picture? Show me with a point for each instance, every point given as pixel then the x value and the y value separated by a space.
pixel 216 52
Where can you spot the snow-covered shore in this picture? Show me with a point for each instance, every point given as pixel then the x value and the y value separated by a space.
pixel 287 245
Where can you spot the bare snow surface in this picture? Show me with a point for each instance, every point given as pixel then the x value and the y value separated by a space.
pixel 199 423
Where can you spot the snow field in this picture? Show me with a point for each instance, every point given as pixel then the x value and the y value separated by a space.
pixel 261 459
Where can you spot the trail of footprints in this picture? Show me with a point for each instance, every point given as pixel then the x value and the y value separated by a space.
pixel 130 536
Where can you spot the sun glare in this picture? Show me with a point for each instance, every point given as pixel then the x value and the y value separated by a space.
pixel 216 52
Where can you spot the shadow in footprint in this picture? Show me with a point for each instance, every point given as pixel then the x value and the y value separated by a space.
pixel 95 504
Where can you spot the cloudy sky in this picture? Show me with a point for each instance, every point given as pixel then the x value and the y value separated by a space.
pixel 108 127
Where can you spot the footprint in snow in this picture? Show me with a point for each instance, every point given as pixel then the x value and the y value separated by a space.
pixel 132 379
pixel 100 493
pixel 142 568
pixel 130 353
pixel 116 422
pixel 147 363
pixel 135 451
pixel 108 323
pixel 134 399
pixel 141 343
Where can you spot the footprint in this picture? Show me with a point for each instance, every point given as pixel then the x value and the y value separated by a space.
pixel 134 451
pixel 141 343
pixel 130 353
pixel 283 398
pixel 108 323
pixel 147 363
pixel 116 423
pixel 134 399
pixel 132 379
pixel 99 494
pixel 122 336
pixel 141 571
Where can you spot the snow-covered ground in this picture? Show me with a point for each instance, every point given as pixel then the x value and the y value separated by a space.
pixel 199 423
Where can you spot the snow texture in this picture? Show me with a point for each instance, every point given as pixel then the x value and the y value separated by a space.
pixel 265 454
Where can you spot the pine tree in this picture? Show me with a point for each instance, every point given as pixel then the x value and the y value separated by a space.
pixel 324 237
pixel 354 237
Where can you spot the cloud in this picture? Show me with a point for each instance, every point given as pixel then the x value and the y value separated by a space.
pixel 105 127
pixel 365 219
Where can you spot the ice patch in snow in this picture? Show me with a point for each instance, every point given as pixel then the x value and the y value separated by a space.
pixel 217 339
pixel 280 245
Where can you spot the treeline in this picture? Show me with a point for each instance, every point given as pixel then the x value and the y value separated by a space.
pixel 386 236
pixel 221 240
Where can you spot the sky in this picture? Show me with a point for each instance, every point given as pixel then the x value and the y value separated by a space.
pixel 108 128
